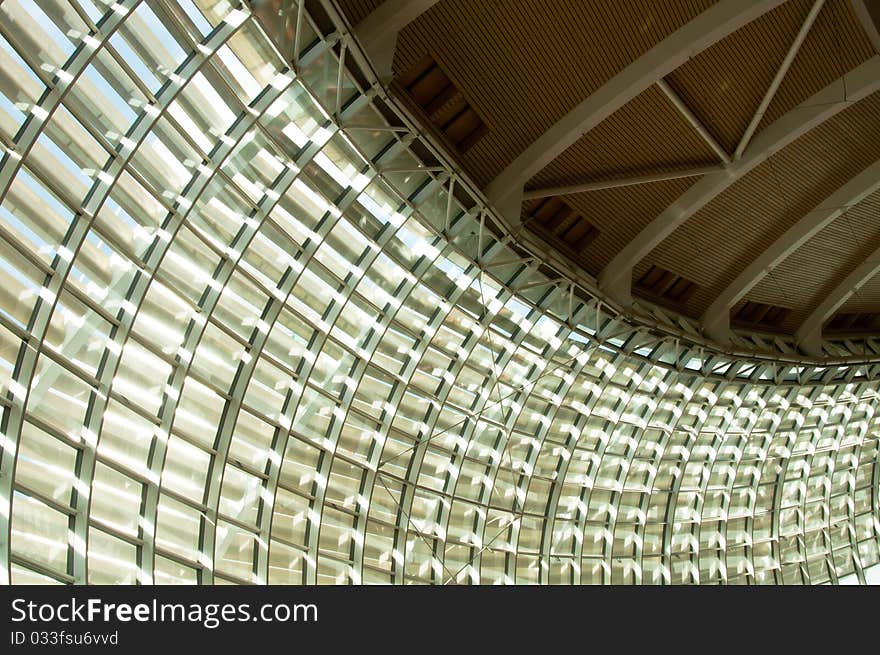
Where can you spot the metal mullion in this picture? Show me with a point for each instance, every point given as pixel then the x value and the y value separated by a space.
pixel 308 496
pixel 611 425
pixel 122 468
pixel 777 500
pixel 830 467
pixel 292 402
pixel 669 378
pixel 226 267
pixel 177 22
pixel 627 395
pixel 133 77
pixel 229 332
pixel 826 538
pixel 850 509
pixel 282 366
pixel 39 567
pixel 241 525
pixel 173 361
pixel 25 252
pixel 113 532
pixel 776 548
pixel 68 365
pixel 55 433
pixel 581 421
pixel 87 126
pixel 519 395
pixel 242 378
pixel 82 55
pixel 19 332
pixel 251 470
pixel 184 500
pixel 179 559
pixel 732 465
pixel 563 388
pixel 717 442
pixel 672 504
pixel 83 15
pixel 335 557
pixel 290 544
pixel 28 58
pixel 138 130
pixel 410 483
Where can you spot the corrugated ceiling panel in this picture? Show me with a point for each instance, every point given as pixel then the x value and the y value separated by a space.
pixel 724 85
pixel 525 64
pixel 867 299
pixel 619 214
pixel 836 44
pixel 356 10
pixel 817 268
pixel 647 135
pixel 717 243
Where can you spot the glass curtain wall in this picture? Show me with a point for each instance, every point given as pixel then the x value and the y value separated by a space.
pixel 246 337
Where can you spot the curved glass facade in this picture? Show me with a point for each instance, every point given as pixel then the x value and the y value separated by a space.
pixel 240 343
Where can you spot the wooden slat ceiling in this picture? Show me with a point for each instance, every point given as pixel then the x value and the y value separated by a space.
pixel 800 284
pixel 836 44
pixel 736 86
pixel 522 65
pixel 357 10
pixel 604 209
pixel 866 300
pixel 720 240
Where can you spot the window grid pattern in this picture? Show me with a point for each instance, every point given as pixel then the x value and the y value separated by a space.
pixel 241 344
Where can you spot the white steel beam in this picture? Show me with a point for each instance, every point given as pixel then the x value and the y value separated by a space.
pixel 378 32
pixel 809 334
pixel 716 319
pixel 780 75
pixel 868 12
pixel 695 122
pixel 615 183
pixel 708 28
pixel 616 277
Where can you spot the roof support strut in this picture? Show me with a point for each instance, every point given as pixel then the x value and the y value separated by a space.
pixel 599 185
pixel 708 28
pixel 868 12
pixel 716 319
pixel 780 75
pixel 378 31
pixel 616 277
pixel 809 335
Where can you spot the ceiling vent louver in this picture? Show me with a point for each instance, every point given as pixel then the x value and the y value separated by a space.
pixel 429 88
pixel 760 315
pixel 854 323
pixel 560 222
pixel 665 286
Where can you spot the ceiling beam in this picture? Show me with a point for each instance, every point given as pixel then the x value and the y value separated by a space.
pixel 378 32
pixel 716 319
pixel 616 278
pixel 868 13
pixel 695 122
pixel 809 334
pixel 780 75
pixel 599 185
pixel 708 28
